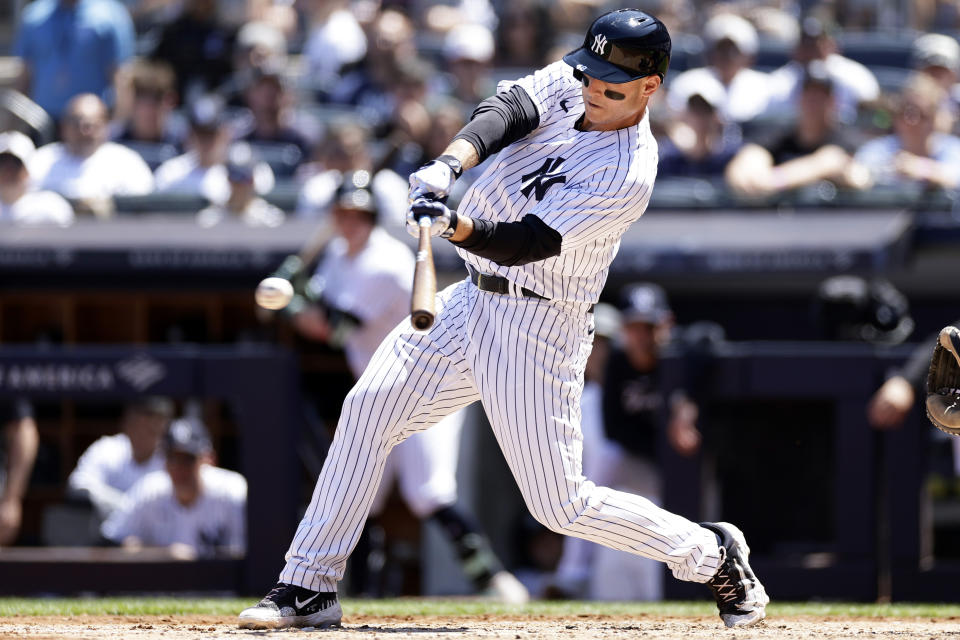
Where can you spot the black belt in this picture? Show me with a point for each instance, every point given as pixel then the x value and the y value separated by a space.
pixel 497 284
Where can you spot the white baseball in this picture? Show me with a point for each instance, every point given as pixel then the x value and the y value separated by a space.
pixel 274 293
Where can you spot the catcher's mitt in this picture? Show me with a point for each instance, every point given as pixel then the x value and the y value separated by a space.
pixel 943 382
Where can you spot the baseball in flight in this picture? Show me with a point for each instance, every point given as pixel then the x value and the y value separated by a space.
pixel 274 293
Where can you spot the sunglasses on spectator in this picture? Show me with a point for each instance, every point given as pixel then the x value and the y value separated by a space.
pixel 609 93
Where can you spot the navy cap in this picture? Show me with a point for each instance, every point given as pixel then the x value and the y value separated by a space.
pixel 187 435
pixel 645 302
pixel 241 162
pixel 621 46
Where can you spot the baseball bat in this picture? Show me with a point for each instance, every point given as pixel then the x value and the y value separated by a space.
pixel 422 309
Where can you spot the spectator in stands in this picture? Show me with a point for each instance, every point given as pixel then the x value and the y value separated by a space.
pixel 147 90
pixel 259 46
pixel 524 35
pixel 202 169
pixel 938 56
pixel 854 84
pixel 346 148
pixel 390 42
pixel 86 167
pixel 193 508
pixel 199 49
pixel 731 44
pixel 815 148
pixel 335 42
pixel 915 153
pixel 18 451
pixel 699 143
pixel 243 204
pixel 113 464
pixel 468 52
pixel 70 47
pixel 18 204
pixel 269 102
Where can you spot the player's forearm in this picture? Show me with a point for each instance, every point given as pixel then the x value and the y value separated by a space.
pixel 22 441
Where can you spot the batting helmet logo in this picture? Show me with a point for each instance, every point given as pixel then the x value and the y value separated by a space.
pixel 599 42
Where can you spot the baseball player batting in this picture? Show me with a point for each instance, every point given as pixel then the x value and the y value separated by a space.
pixel 575 167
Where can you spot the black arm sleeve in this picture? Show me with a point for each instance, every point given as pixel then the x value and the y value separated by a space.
pixel 513 243
pixel 500 120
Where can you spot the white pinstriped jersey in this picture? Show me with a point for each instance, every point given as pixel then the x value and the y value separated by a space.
pixel 153 514
pixel 587 185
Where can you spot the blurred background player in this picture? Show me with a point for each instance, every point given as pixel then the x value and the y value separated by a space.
pixel 634 405
pixel 18 451
pixel 113 464
pixel 363 290
pixel 573 576
pixel 193 508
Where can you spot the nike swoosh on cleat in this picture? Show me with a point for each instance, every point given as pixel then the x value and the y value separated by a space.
pixel 301 605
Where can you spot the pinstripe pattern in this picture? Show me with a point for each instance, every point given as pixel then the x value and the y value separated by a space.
pixel 608 175
pixel 522 358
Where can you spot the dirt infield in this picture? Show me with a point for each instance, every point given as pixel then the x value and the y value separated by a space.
pixel 199 627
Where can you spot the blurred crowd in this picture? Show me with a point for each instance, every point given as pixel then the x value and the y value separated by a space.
pixel 253 109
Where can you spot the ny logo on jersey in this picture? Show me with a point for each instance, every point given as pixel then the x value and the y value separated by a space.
pixel 543 178
pixel 599 42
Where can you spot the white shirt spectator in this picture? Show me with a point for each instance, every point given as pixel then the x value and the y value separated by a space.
pixel 184 174
pixel 374 286
pixel 38 207
pixel 745 98
pixel 214 521
pixel 107 470
pixel 336 42
pixel 853 83
pixel 110 171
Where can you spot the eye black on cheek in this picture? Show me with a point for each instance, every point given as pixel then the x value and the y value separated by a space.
pixel 614 95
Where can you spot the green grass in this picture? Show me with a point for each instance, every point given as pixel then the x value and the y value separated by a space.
pixel 454 607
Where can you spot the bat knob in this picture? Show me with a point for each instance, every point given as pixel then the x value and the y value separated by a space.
pixel 421 320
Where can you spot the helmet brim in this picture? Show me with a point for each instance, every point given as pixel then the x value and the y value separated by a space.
pixel 584 60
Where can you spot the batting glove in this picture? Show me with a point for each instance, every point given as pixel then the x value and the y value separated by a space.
pixel 435 179
pixel 443 221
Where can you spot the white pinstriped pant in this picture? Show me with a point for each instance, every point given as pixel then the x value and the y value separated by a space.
pixel 523 358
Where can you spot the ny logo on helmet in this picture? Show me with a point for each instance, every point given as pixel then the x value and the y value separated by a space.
pixel 599 42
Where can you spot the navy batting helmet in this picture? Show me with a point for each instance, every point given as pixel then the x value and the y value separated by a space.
pixel 621 46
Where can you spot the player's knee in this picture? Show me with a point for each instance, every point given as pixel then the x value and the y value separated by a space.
pixel 558 517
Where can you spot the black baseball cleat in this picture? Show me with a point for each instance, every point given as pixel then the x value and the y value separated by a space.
pixel 290 606
pixel 740 597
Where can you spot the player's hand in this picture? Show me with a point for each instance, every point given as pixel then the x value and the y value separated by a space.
pixel 443 220
pixel 889 406
pixel 682 432
pixel 433 180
